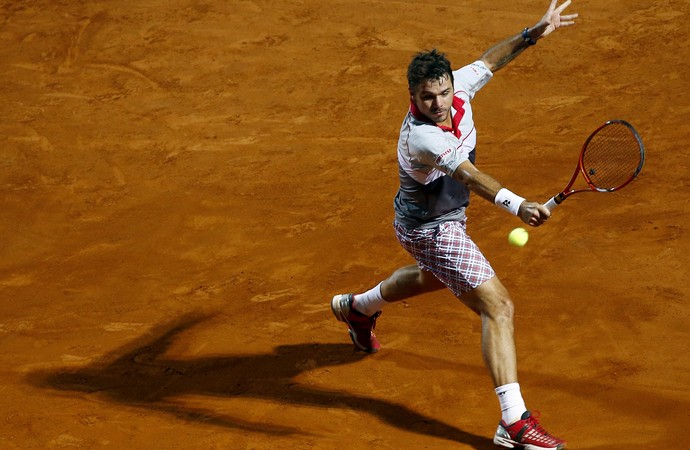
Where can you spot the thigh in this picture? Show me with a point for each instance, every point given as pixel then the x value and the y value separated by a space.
pixel 449 253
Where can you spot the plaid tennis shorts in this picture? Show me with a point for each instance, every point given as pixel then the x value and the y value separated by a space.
pixel 447 252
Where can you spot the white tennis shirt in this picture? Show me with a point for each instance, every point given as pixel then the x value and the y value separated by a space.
pixel 428 154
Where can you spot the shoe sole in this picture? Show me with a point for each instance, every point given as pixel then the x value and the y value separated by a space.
pixel 338 313
pixel 335 307
pixel 509 443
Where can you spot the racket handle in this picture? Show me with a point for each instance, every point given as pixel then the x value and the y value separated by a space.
pixel 551 204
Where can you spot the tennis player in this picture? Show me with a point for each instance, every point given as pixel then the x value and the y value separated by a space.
pixel 436 155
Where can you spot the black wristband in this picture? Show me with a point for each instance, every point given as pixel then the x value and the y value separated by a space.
pixel 527 38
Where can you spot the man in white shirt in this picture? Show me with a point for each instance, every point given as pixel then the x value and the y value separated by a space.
pixel 436 154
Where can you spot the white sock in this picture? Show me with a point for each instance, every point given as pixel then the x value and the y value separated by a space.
pixel 370 301
pixel 512 404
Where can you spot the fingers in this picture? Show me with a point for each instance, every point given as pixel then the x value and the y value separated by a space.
pixel 562 7
pixel 568 20
pixel 541 215
pixel 543 211
pixel 537 221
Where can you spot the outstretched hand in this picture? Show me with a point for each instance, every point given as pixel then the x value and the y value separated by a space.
pixel 553 19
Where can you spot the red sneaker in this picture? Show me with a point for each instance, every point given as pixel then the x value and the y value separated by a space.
pixel 361 327
pixel 526 433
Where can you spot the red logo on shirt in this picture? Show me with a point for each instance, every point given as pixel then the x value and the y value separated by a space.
pixel 440 157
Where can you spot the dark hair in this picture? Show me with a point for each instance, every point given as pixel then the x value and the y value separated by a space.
pixel 428 65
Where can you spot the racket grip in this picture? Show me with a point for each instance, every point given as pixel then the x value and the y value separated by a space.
pixel 551 204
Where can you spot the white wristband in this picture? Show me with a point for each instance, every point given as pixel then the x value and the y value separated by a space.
pixel 508 201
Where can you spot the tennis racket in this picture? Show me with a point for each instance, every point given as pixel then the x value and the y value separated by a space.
pixel 611 157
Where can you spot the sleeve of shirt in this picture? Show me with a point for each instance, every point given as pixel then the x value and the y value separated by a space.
pixel 471 78
pixel 438 150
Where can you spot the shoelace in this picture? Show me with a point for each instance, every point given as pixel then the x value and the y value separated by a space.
pixel 534 423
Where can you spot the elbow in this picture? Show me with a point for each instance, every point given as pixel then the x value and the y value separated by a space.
pixel 487 62
pixel 464 176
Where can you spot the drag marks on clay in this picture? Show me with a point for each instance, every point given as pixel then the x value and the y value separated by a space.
pixel 97 248
pixel 315 308
pixel 48 327
pixel 74 359
pixel 298 229
pixel 203 222
pixel 660 233
pixel 19 326
pixel 42 68
pixel 124 326
pixel 668 293
pixel 249 5
pixel 67 440
pixel 264 42
pixel 559 101
pixel 123 68
pixel 36 138
pixel 73 48
pixel 178 121
pixel 18 280
pixel 275 327
pixel 340 214
pixel 73 51
pixel 68 95
pixel 275 295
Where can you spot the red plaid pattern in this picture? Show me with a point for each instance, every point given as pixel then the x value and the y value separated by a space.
pixel 447 252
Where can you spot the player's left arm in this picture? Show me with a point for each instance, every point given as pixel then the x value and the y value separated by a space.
pixel 502 53
pixel 487 187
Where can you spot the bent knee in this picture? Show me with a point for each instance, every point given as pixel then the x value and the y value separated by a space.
pixel 504 309
pixel 493 300
pixel 498 308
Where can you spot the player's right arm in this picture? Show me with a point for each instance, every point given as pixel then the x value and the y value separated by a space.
pixel 487 187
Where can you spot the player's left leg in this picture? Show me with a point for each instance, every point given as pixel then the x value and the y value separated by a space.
pixel 493 304
pixel 518 427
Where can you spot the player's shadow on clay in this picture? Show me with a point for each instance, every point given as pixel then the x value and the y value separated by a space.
pixel 140 374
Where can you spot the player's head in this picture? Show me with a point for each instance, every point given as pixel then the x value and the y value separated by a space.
pixel 430 81
pixel 428 65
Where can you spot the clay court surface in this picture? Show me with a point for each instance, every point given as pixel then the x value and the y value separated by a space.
pixel 184 185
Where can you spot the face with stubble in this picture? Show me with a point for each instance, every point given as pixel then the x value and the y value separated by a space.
pixel 433 98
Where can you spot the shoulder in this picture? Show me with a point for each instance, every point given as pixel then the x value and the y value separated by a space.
pixel 427 137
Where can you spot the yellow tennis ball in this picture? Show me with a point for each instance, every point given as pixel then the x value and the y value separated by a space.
pixel 518 237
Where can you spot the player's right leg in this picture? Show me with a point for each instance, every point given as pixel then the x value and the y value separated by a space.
pixel 409 281
pixel 360 326
pixel 360 311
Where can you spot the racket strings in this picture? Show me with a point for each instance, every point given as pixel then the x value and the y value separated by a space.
pixel 612 157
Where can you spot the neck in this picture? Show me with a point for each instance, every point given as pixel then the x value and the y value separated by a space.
pixel 448 122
